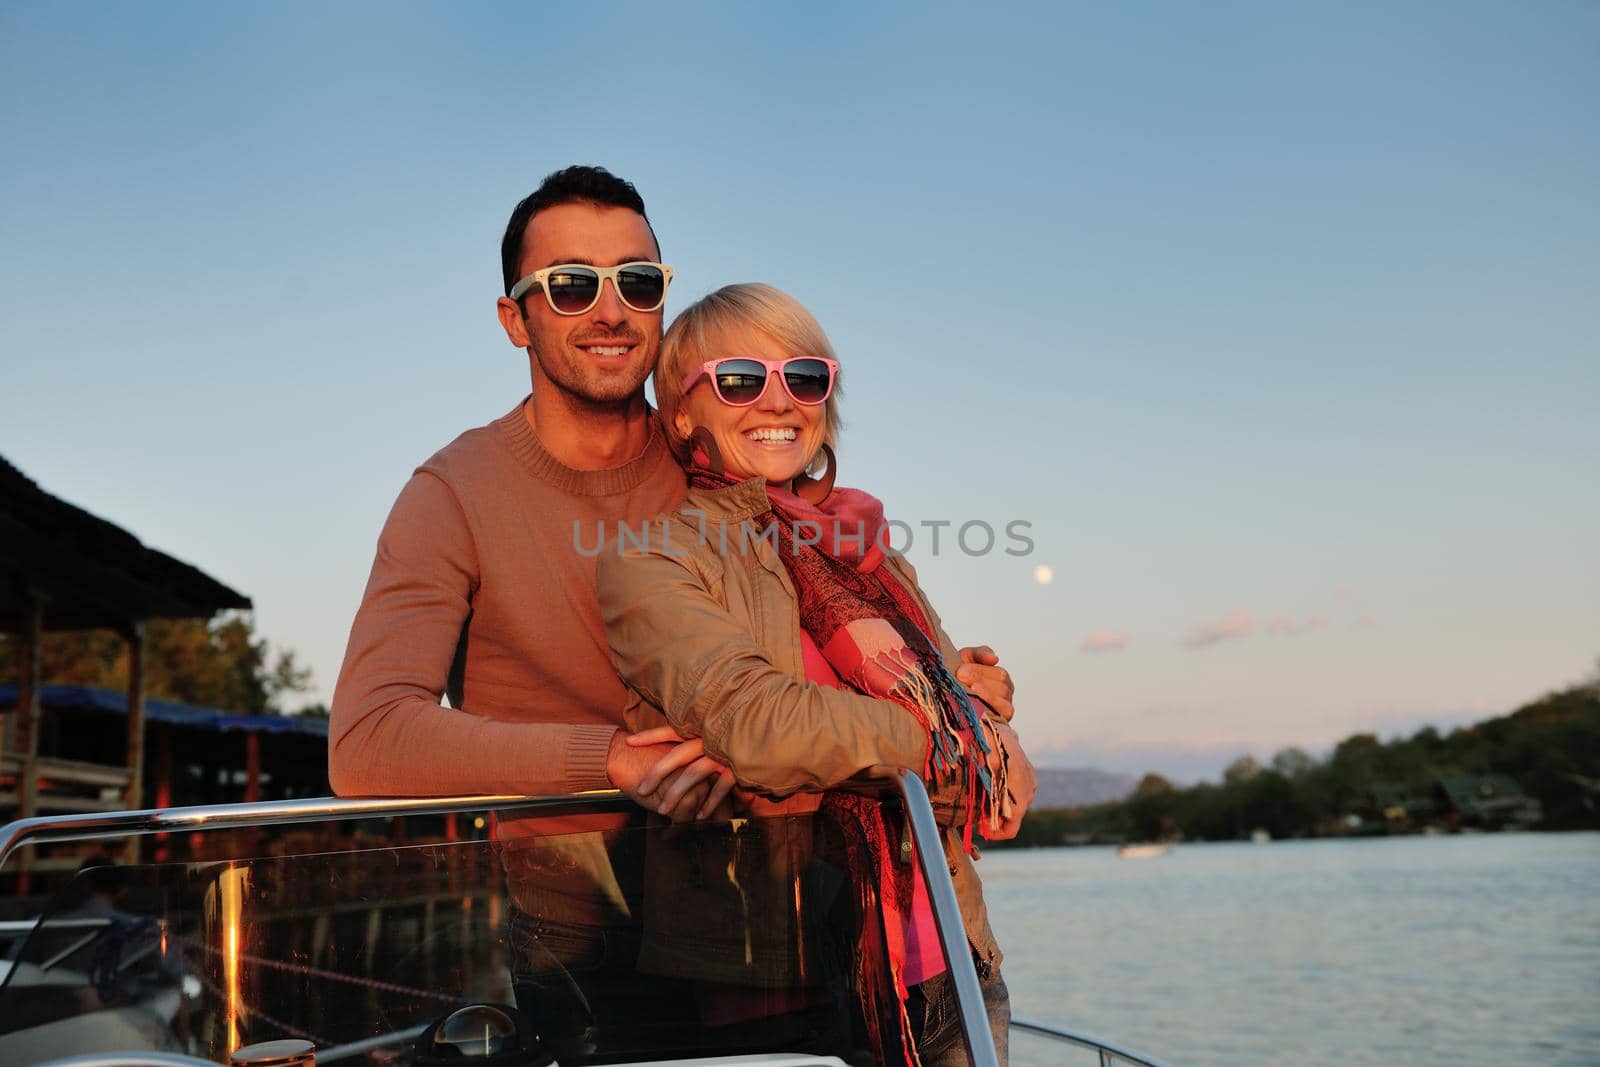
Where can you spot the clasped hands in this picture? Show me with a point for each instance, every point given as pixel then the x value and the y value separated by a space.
pixel 672 775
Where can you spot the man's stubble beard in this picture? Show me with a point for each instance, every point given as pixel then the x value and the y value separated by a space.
pixel 585 390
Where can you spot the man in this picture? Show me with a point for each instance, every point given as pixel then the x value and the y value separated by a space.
pixel 479 592
pixel 476 590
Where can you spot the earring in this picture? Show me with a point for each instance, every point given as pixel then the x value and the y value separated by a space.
pixel 816 490
pixel 706 445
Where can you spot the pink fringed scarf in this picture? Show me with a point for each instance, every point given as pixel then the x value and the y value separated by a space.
pixel 871 630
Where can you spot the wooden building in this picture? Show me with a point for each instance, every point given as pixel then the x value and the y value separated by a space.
pixel 194 755
pixel 62 568
pixel 1486 801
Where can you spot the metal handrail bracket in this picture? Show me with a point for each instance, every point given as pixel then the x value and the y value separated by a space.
pixel 952 929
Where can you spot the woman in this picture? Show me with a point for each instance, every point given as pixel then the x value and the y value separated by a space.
pixel 767 620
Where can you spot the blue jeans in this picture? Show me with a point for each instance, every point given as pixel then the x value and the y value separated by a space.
pixel 936 1020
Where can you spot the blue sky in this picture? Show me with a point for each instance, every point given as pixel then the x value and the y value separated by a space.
pixel 1276 322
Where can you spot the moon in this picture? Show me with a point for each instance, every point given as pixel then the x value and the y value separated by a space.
pixel 1043 574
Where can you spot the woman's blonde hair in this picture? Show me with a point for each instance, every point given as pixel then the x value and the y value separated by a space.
pixel 709 321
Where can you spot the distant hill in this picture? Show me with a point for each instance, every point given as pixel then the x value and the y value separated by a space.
pixel 1075 787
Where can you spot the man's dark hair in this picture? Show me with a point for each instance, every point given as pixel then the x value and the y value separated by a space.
pixel 593 185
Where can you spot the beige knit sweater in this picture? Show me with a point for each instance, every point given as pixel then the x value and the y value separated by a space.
pixel 480 591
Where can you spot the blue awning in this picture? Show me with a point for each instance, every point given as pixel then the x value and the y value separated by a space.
pixel 87 698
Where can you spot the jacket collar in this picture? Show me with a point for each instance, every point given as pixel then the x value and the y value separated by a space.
pixel 744 500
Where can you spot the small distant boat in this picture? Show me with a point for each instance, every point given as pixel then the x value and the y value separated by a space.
pixel 1146 850
pixel 1260 836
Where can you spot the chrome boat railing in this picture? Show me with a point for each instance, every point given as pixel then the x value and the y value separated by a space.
pixel 93 826
pixel 1111 1055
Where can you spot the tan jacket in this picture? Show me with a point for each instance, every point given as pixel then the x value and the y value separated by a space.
pixel 709 635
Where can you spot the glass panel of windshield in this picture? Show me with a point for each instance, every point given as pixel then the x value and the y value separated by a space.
pixel 591 937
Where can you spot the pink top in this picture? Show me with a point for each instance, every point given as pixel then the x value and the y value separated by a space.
pixel 924 958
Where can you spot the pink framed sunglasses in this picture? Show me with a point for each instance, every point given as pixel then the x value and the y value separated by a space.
pixel 739 381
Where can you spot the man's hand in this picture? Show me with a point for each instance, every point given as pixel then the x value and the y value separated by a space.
pixel 981 673
pixel 667 774
pixel 1021 783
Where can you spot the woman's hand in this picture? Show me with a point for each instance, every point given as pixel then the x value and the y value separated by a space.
pixel 984 678
pixel 678 779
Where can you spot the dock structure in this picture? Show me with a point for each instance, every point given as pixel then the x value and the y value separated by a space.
pixel 63 569
pixel 1487 801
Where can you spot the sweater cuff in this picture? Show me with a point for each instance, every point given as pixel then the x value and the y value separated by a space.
pixel 587 748
pixel 906 742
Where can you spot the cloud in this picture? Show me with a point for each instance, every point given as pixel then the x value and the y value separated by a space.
pixel 1284 626
pixel 1105 641
pixel 1234 624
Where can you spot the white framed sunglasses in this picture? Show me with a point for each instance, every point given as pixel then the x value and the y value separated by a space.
pixel 574 288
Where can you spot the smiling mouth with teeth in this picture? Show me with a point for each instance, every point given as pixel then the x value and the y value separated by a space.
pixel 777 435
pixel 606 350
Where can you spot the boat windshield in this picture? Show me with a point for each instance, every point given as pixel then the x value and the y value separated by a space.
pixel 588 933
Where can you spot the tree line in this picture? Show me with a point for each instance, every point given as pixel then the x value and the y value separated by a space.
pixel 214 663
pixel 1550 747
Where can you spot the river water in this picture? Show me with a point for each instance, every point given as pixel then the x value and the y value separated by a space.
pixel 1461 950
